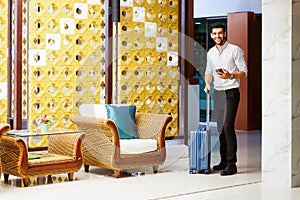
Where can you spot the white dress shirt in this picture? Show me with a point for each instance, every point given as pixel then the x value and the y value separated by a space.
pixel 231 58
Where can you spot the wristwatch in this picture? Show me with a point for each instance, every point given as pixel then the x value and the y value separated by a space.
pixel 231 76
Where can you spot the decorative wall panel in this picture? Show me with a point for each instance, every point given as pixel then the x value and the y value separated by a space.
pixel 3 60
pixel 66 47
pixel 148 60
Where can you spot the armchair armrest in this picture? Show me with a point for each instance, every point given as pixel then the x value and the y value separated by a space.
pixel 66 144
pixel 4 128
pixel 92 124
pixel 150 125
pixel 14 154
pixel 101 136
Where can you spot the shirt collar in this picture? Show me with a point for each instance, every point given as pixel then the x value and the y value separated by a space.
pixel 223 47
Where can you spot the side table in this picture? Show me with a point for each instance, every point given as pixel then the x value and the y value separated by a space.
pixel 63 155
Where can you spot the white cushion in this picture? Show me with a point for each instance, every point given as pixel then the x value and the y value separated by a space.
pixel 93 110
pixel 136 146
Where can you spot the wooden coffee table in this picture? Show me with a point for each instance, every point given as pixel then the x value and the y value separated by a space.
pixel 63 154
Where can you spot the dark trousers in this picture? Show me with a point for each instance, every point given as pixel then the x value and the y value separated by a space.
pixel 225 108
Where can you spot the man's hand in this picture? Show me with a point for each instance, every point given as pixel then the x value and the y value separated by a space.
pixel 207 89
pixel 225 74
pixel 208 80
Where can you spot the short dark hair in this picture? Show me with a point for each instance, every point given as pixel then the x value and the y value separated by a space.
pixel 217 25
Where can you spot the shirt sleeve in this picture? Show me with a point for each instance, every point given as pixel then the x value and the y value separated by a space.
pixel 239 60
pixel 209 68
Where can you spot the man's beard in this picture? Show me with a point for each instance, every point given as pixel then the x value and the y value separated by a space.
pixel 221 42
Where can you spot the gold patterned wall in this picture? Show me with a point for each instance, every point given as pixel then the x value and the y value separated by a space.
pixel 63 49
pixel 148 60
pixel 3 60
pixel 65 58
pixel 24 61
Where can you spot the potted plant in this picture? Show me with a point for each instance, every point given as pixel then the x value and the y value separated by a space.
pixel 44 122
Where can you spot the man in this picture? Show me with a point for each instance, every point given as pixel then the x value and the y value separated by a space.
pixel 225 66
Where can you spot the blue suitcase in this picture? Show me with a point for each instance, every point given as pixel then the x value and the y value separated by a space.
pixel 200 147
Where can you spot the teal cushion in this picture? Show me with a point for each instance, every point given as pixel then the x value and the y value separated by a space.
pixel 124 118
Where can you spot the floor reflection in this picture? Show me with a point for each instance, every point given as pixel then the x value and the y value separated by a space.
pixel 172 181
pixel 35 181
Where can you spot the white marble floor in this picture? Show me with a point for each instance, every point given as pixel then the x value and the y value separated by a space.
pixel 172 182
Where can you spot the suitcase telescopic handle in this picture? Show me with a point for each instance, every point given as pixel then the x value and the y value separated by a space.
pixel 207 111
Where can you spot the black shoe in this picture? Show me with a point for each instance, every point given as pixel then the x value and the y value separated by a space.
pixel 229 170
pixel 220 166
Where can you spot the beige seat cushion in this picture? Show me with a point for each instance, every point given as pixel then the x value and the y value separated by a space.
pixel 51 159
pixel 136 146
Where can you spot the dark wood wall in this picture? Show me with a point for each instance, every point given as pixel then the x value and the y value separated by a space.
pixel 244 30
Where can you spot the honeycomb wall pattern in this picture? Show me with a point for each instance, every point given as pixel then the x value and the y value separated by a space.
pixel 65 58
pixel 148 60
pixel 3 60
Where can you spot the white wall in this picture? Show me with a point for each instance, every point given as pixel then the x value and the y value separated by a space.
pixel 280 99
pixel 212 8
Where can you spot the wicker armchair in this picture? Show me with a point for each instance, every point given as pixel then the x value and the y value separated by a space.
pixel 63 156
pixel 3 129
pixel 101 146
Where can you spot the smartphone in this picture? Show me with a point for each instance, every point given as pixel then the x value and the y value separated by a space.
pixel 219 70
